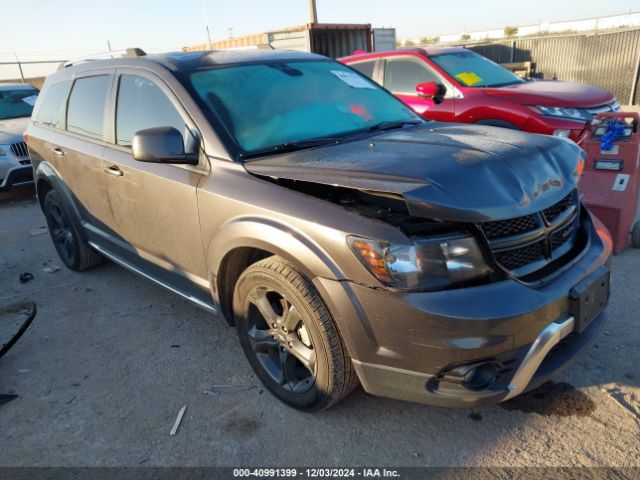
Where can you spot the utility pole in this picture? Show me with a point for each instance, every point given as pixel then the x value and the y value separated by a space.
pixel 20 67
pixel 313 11
pixel 206 24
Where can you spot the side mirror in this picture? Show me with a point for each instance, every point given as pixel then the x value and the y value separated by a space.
pixel 161 145
pixel 431 90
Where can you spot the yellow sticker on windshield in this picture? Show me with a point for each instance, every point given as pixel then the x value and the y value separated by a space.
pixel 469 78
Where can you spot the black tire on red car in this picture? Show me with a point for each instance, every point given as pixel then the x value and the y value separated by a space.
pixel 290 338
pixel 73 250
pixel 635 235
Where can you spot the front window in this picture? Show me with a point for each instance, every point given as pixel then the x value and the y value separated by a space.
pixel 17 103
pixel 473 70
pixel 402 75
pixel 271 104
pixel 142 104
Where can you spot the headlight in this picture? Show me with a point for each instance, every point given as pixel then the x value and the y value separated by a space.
pixel 430 263
pixel 563 112
pixel 2 153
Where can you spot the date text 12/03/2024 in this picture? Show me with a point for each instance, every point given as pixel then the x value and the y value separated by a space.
pixel 316 473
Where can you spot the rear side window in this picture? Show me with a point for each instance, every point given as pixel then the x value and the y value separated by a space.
pixel 142 104
pixel 85 113
pixel 401 75
pixel 51 109
pixel 365 68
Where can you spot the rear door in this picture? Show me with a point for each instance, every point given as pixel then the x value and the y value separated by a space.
pixel 76 154
pixel 401 76
pixel 154 206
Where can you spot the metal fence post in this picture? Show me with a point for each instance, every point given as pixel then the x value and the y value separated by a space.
pixel 19 67
pixel 634 82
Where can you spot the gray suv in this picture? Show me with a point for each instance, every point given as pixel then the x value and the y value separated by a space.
pixel 347 240
pixel 16 105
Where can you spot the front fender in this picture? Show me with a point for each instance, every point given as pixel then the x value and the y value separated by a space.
pixel 280 239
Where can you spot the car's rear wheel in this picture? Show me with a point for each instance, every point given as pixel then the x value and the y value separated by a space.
pixel 74 252
pixel 289 337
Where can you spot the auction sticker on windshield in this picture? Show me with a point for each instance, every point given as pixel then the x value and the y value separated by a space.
pixel 352 79
pixel 469 78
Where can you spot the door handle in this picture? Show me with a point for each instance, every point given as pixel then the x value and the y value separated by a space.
pixel 58 151
pixel 114 170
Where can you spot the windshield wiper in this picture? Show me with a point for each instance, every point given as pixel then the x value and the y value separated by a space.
pixel 292 146
pixel 391 125
pixel 317 142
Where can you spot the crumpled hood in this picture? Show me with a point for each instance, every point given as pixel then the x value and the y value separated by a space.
pixel 443 171
pixel 11 130
pixel 552 93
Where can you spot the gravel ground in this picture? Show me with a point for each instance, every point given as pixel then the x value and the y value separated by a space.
pixel 110 359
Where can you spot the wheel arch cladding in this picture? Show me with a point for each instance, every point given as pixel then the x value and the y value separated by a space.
pixel 243 242
pixel 46 179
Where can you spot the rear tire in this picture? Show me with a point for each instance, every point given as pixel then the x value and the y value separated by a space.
pixel 73 250
pixel 635 235
pixel 289 337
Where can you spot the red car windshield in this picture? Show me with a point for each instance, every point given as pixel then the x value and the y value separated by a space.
pixel 473 70
pixel 17 103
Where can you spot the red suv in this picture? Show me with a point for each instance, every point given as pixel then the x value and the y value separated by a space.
pixel 454 84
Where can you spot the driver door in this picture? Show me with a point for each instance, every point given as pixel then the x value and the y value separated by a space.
pixel 154 211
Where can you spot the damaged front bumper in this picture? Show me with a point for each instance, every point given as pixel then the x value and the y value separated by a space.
pixel 465 347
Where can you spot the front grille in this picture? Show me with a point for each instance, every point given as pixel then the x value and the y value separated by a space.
pixel 19 149
pixel 518 257
pixel 507 228
pixel 526 244
pixel 562 235
pixel 552 213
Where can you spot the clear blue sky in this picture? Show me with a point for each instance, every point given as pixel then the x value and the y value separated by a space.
pixel 86 25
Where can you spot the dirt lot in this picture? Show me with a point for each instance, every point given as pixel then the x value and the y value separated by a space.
pixel 111 358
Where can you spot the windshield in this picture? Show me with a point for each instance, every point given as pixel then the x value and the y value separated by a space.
pixel 473 70
pixel 270 104
pixel 17 103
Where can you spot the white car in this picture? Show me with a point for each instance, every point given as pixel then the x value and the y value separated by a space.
pixel 16 104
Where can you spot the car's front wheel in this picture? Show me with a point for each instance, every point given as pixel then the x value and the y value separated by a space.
pixel 289 337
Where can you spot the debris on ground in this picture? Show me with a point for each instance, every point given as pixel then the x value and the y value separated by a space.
pixel 176 425
pixel 26 277
pixel 14 321
pixel 216 390
pixel 50 267
pixel 38 231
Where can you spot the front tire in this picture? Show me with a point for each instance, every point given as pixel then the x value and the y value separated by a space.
pixel 635 235
pixel 289 337
pixel 74 252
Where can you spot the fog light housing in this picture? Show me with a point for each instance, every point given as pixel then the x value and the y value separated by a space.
pixel 472 376
pixel 481 376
